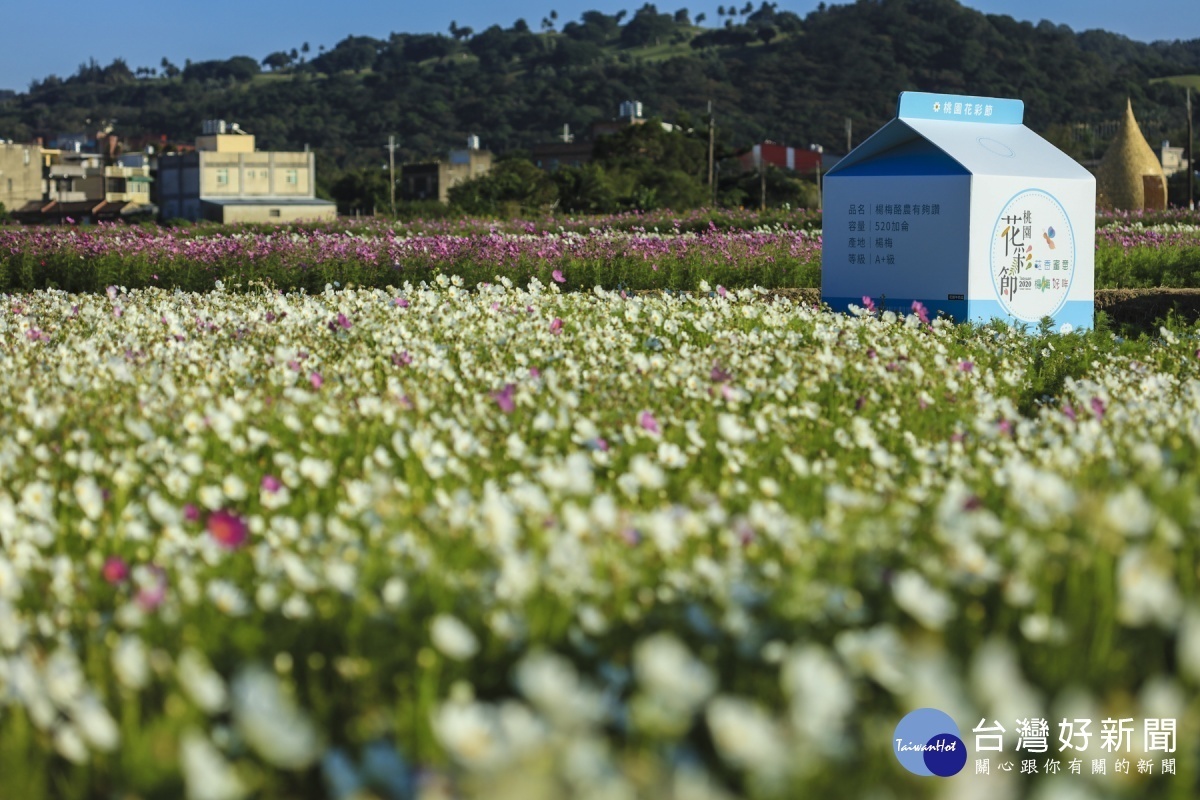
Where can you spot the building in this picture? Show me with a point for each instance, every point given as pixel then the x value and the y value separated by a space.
pixel 800 159
pixel 226 179
pixel 20 174
pixel 86 187
pixel 1129 176
pixel 432 180
pixel 568 152
pixel 1172 158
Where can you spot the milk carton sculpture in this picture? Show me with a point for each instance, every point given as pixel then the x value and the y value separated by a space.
pixel 956 204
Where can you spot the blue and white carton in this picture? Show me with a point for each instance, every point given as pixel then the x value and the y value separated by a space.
pixel 958 205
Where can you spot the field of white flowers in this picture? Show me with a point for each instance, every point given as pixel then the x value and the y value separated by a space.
pixel 506 542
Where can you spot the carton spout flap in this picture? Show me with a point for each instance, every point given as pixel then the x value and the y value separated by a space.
pixel 999 149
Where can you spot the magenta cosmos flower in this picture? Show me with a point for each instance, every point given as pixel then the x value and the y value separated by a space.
pixel 228 529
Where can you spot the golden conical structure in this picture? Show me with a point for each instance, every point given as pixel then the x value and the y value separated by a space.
pixel 1129 176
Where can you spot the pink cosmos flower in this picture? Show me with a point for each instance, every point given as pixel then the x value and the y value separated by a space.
pixel 271 484
pixel 401 359
pixel 504 398
pixel 868 304
pixel 558 276
pixel 316 380
pixel 649 423
pixel 151 597
pixel 721 291
pixel 1005 427
pixel 115 570
pixel 966 366
pixel 402 302
pixel 556 326
pixel 1069 411
pixel 922 313
pixel 228 529
pixel 1098 407
pixel 191 513
pixel 535 373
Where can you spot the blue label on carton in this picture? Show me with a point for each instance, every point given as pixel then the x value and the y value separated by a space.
pixel 960 108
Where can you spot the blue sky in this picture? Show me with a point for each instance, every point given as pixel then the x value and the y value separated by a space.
pixel 56 38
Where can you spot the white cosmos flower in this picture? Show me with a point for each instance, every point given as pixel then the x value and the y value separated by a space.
pixel 130 663
pixel 65 682
pixel 1146 590
pixel 70 744
pixel 394 591
pixel 96 725
pixel 89 497
pixel 666 669
pixel 746 736
pixel 471 733
pixel 821 694
pixel 646 473
pixel 454 639
pixel 877 653
pixel 206 773
pixel 227 597
pixel 929 606
pixel 315 470
pixel 270 721
pixel 234 487
pixel 201 682
pixel 1128 513
pixel 552 685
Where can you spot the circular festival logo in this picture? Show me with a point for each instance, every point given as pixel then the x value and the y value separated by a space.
pixel 926 742
pixel 1033 255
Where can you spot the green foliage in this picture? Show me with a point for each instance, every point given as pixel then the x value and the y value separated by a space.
pixel 517 87
pixel 513 186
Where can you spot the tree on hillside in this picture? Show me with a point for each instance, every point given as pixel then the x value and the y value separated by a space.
pixel 277 60
pixel 647 27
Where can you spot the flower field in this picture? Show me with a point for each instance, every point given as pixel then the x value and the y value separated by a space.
pixel 508 541
pixel 774 249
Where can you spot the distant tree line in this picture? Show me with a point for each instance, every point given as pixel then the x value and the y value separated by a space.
pixel 771 74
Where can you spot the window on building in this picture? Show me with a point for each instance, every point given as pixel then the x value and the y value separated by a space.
pixel 10 185
pixel 222 177
pixel 274 212
pixel 293 176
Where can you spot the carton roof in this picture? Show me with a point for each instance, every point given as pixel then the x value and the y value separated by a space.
pixel 995 144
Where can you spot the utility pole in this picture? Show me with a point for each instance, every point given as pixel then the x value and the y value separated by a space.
pixel 391 148
pixel 762 178
pixel 849 129
pixel 1191 164
pixel 711 140
pixel 819 150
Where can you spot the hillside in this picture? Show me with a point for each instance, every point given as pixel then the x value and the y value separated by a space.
pixel 771 74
